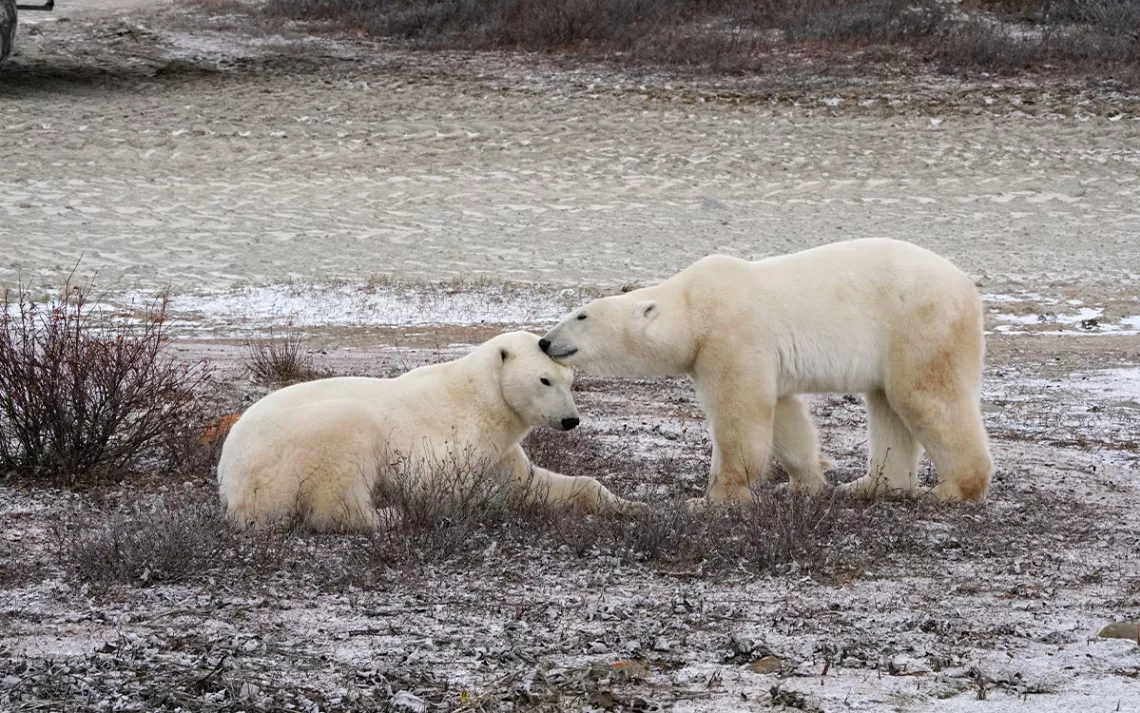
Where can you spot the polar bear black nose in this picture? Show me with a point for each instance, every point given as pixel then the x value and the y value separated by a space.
pixel 568 423
pixel 544 345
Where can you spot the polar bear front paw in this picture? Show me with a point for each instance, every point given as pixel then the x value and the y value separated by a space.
pixel 697 505
pixel 870 486
pixel 632 507
pixel 808 485
pixel 866 487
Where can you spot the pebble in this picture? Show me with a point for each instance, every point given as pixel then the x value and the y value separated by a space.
pixel 1125 629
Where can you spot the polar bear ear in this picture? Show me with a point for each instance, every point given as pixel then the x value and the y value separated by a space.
pixel 504 355
pixel 648 309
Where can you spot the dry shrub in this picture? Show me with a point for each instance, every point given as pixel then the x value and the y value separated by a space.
pixel 164 541
pixel 781 531
pixel 176 537
pixel 734 34
pixel 857 21
pixel 989 46
pixel 454 506
pixel 280 360
pixel 460 512
pixel 85 396
pixel 576 452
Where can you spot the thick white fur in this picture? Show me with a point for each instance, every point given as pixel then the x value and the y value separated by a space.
pixel 882 317
pixel 319 449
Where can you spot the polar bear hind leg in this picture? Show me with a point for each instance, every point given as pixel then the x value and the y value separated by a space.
pixel 796 445
pixel 341 498
pixel 939 400
pixel 893 452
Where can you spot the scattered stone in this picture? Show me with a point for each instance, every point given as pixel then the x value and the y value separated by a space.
pixel 405 700
pixel 1125 629
pixel 248 691
pixel 631 670
pixel 768 664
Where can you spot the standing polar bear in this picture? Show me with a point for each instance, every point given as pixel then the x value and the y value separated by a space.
pixel 319 449
pixel 882 317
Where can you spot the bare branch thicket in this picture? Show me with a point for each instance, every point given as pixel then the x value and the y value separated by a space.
pixel 89 395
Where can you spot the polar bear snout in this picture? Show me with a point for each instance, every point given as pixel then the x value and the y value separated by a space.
pixel 569 423
pixel 557 352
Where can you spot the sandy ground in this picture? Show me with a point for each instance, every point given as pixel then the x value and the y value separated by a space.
pixel 167 153
pixel 272 179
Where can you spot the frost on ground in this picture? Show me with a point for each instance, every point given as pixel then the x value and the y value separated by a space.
pixel 995 607
pixel 245 311
pixel 240 312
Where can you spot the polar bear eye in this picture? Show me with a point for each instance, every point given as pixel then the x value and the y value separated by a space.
pixel 545 381
pixel 581 316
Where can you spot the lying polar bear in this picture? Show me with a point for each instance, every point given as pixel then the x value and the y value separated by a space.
pixel 882 317
pixel 319 449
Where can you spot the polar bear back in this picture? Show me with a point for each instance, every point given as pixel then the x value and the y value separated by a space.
pixel 837 313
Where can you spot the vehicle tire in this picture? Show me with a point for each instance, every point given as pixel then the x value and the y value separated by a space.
pixel 7 27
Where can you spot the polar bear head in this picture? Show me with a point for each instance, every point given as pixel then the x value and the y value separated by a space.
pixel 533 385
pixel 645 332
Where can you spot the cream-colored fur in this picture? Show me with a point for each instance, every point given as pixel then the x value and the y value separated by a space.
pixel 882 317
pixel 319 449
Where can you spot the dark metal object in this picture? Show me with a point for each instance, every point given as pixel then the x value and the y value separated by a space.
pixel 7 27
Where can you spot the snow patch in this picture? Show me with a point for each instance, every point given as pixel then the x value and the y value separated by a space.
pixel 354 306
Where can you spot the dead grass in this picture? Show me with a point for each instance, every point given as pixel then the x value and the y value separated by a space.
pixel 466 514
pixel 175 537
pixel 738 35
pixel 280 360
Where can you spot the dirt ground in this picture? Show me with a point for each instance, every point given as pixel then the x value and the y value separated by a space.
pixel 395 205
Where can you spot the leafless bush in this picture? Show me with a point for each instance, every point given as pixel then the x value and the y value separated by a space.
pixel 280 360
pixel 575 452
pixel 1001 47
pixel 85 396
pixel 780 531
pixel 859 21
pixel 1112 16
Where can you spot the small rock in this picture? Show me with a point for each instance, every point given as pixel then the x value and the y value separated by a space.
pixel 405 700
pixel 1122 630
pixel 248 691
pixel 768 664
pixel 741 644
pixel 662 644
pixel 632 670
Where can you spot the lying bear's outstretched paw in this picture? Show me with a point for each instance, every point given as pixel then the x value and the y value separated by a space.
pixel 632 507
